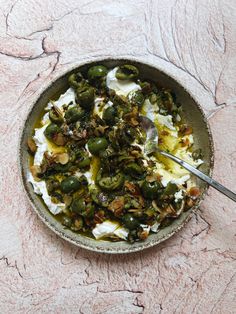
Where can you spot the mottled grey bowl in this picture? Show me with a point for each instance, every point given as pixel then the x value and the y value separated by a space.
pixel 193 115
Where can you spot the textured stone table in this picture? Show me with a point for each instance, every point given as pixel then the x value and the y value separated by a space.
pixel 193 272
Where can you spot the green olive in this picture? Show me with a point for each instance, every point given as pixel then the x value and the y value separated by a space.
pixel 79 206
pixel 84 163
pixel 133 169
pixel 109 115
pixel 85 97
pixel 110 183
pixel 76 80
pixel 51 130
pixel 130 222
pixel 74 114
pixel 54 134
pixel 55 115
pixel 70 184
pixel 170 189
pixel 96 72
pixel 127 72
pixel 66 221
pixel 151 190
pixel 97 144
pixel 137 98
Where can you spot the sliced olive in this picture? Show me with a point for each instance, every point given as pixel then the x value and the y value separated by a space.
pixel 127 72
pixel 151 190
pixel 85 97
pixel 130 222
pixel 70 184
pixel 74 114
pixel 110 183
pixel 97 144
pixel 96 72
pixel 109 115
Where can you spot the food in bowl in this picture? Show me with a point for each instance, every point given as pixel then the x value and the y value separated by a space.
pixel 88 161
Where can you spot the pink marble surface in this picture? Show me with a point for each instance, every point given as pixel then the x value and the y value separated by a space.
pixel 193 272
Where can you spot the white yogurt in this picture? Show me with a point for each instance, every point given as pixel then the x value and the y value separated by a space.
pixel 119 86
pixel 41 189
pixel 109 228
pixel 166 121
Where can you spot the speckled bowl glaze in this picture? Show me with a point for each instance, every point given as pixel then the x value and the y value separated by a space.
pixel 193 115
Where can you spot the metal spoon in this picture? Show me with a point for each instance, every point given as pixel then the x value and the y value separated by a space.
pixel 151 146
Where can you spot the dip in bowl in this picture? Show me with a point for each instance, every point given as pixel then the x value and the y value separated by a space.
pixel 88 177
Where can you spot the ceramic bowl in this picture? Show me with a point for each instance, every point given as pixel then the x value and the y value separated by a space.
pixel 193 115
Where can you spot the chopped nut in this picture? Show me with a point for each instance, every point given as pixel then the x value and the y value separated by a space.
pixel 194 192
pixel 31 146
pixel 117 206
pixel 67 199
pixel 62 158
pixel 59 139
pixel 35 170
pixel 186 130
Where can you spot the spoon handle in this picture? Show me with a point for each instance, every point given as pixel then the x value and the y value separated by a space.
pixel 200 175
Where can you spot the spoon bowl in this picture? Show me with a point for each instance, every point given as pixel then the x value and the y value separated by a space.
pixel 151 146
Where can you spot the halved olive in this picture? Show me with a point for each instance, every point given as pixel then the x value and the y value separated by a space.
pixel 70 184
pixel 110 183
pixel 97 144
pixel 97 72
pixel 151 190
pixel 127 72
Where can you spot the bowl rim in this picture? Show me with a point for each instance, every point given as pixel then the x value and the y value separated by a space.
pixel 142 245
